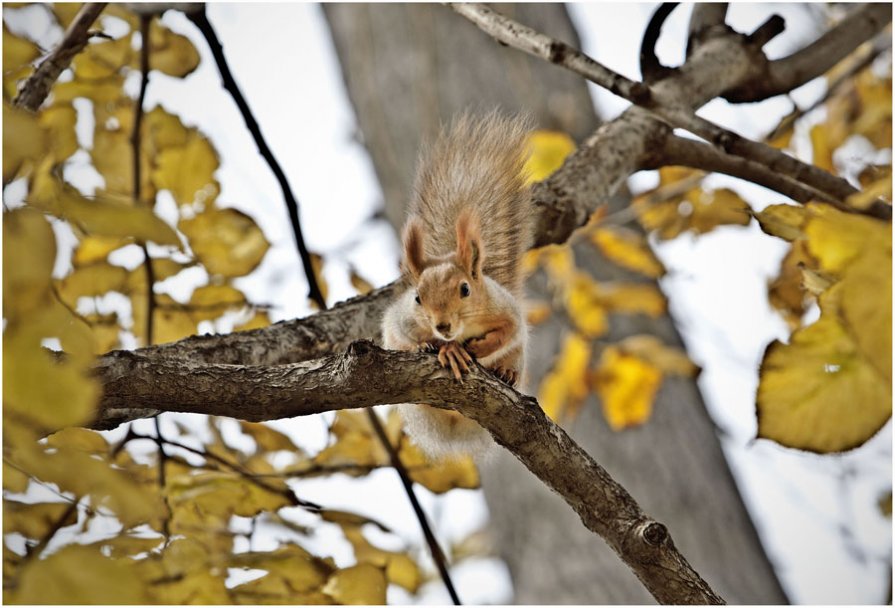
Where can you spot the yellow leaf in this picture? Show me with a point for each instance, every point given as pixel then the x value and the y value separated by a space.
pixel 627 387
pixel 585 307
pixel 65 12
pixel 823 143
pixel 632 298
pixel 83 440
pixel 441 475
pixel 101 59
pixel 670 360
pixel 225 494
pixel 17 51
pixel 188 171
pixel 876 182
pixel 548 151
pixel 171 53
pixel 258 320
pixel 868 318
pixel 537 312
pixel 317 266
pixel 784 221
pixel 361 584
pixel 24 140
pixel 819 392
pixel 211 301
pixel 14 480
pixel 59 121
pixel 567 384
pixel 95 249
pixel 836 238
pixel 786 293
pixel 107 90
pixel 629 250
pixel 164 130
pixel 34 520
pixel 77 574
pixel 93 280
pixel 29 253
pixel 716 208
pixel 267 438
pixel 361 285
pixel 226 241
pixel 128 545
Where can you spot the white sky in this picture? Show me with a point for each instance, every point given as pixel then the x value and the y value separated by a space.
pixel 814 513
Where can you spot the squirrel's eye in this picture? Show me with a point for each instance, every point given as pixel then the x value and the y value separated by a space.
pixel 464 290
pixel 417 298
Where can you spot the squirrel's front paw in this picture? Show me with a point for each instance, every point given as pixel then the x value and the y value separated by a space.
pixel 427 347
pixel 510 376
pixel 456 356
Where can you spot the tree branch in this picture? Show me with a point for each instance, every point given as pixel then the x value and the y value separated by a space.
pixel 36 88
pixel 698 155
pixel 706 19
pixel 817 58
pixel 666 102
pixel 366 375
pixel 201 21
pixel 651 69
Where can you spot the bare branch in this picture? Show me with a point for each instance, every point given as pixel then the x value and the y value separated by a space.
pixel 36 88
pixel 666 102
pixel 817 58
pixel 698 155
pixel 199 18
pixel 651 69
pixel 515 34
pixel 365 376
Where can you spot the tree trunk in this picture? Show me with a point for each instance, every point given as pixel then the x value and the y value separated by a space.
pixel 409 68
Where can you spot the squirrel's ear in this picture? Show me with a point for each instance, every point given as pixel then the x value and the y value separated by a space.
pixel 469 244
pixel 414 258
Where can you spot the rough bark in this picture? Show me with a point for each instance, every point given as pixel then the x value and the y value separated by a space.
pixel 365 376
pixel 675 461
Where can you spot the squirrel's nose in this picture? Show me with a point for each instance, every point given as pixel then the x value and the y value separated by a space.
pixel 443 328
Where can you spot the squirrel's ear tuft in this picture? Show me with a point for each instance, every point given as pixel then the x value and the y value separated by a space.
pixel 469 244
pixel 414 258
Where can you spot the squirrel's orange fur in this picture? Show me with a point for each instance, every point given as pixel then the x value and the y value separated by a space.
pixel 469 224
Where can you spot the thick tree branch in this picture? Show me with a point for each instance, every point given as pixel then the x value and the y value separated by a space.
pixel 817 58
pixel 706 19
pixel 365 376
pixel 36 88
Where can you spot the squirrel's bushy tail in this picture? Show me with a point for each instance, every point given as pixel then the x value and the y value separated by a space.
pixel 478 164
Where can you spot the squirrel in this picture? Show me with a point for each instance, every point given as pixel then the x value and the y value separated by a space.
pixel 469 223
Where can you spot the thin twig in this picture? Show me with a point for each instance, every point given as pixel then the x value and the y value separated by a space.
pixel 200 19
pixel 35 89
pixel 287 493
pixel 437 554
pixel 136 144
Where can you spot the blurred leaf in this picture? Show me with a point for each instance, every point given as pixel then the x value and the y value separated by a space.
pixel 267 438
pixel 548 149
pixel 29 253
pixel 629 250
pixel 699 211
pixel 670 360
pixel 225 494
pixel 584 305
pixel 627 387
pixel 171 53
pixel 877 183
pixel 786 292
pixel 211 301
pixel 17 51
pixel 93 280
pixel 885 504
pixel 361 285
pixel 65 12
pixel 823 144
pixel 317 265
pixel 258 320
pixel 564 388
pixel 83 440
pixel 537 312
pixel 361 584
pixel 439 475
pixel 784 221
pixel 77 574
pixel 92 249
pixel 59 121
pixel 103 58
pixel 188 171
pixel 24 140
pixel 34 520
pixel 227 242
pixel 107 90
